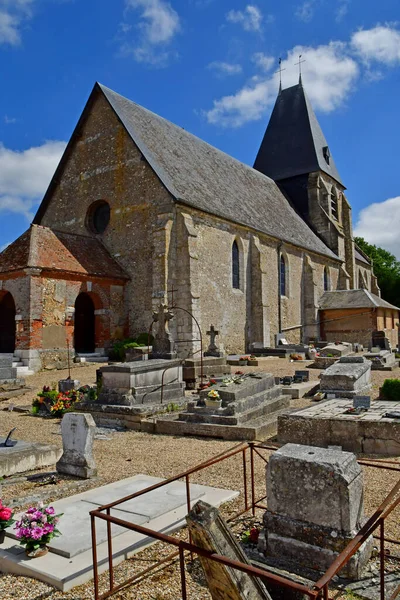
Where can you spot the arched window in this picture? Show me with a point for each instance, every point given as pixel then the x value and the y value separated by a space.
pixel 326 280
pixel 282 276
pixel 235 266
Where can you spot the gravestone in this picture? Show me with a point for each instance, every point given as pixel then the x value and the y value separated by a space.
pixel 380 340
pixel 213 349
pixel 315 507
pixel 382 360
pixel 350 376
pixel 210 532
pixel 337 349
pixel 67 385
pixel 78 430
pixel 163 344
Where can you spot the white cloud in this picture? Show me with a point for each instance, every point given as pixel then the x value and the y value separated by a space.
pixel 380 44
pixel 263 61
pixel 305 11
pixel 12 15
pixel 24 176
pixel 9 120
pixel 342 10
pixel 250 18
pixel 225 68
pixel 158 25
pixel 378 224
pixel 328 70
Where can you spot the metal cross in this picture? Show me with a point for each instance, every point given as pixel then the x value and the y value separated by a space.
pixel 299 63
pixel 280 73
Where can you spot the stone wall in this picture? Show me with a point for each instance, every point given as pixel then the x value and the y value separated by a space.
pixel 105 164
pixel 351 325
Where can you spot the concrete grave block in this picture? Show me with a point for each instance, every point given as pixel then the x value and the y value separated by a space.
pixel 315 507
pixel 348 377
pixel 78 430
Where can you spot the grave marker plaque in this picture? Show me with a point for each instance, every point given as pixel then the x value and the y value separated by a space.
pixel 362 402
pixel 305 375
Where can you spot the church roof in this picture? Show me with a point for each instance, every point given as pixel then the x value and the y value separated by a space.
pixel 360 256
pixel 341 299
pixel 201 176
pixel 293 143
pixel 43 248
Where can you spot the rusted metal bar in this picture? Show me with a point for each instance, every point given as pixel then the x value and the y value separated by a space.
pixel 253 508
pixel 380 466
pixel 183 574
pixel 260 455
pixel 206 553
pixel 188 507
pixel 94 558
pixel 388 540
pixel 326 592
pixel 208 463
pixel 395 594
pixel 382 558
pixel 136 578
pixel 246 503
pixel 110 557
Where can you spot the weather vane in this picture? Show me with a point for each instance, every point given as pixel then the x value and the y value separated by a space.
pixel 280 74
pixel 299 63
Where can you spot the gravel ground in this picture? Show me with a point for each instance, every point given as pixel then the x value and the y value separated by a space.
pixel 127 453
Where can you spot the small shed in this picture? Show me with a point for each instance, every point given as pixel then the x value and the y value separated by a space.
pixel 353 316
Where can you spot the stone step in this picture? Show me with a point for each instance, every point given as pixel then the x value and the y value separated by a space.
pixel 245 404
pixel 250 387
pixel 91 358
pixel 23 371
pixel 267 427
pixel 262 410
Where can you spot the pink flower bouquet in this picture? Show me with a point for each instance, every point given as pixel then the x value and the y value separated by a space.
pixel 37 527
pixel 6 515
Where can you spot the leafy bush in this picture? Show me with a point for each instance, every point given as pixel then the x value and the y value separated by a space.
pixel 119 347
pixel 391 389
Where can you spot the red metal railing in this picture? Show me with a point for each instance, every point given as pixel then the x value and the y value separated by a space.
pixel 319 590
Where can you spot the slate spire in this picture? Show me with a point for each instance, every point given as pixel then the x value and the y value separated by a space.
pixel 293 143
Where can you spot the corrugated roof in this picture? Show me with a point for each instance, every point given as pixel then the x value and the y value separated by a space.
pixel 293 143
pixel 199 175
pixel 44 248
pixel 341 299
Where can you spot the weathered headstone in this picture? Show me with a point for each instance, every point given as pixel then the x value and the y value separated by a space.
pixel 67 385
pixel 350 376
pixel 78 430
pixel 210 532
pixel 213 349
pixel 163 345
pixel 315 507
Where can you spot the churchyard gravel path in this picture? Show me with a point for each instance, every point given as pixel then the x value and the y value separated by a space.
pixel 127 453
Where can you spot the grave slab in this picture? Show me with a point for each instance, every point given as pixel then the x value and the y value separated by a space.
pixel 26 456
pixel 65 573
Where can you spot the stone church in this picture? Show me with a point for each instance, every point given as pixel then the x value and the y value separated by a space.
pixel 140 212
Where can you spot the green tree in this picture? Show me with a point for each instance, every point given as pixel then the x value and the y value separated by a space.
pixel 386 269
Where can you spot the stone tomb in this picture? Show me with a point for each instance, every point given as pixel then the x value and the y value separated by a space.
pixel 249 411
pixel 69 562
pixel 382 360
pixel 23 456
pixel 212 367
pixel 350 376
pixel 328 423
pixel 133 391
pixel 315 507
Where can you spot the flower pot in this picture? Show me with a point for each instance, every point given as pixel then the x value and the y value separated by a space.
pixel 41 551
pixel 211 403
pixel 2 535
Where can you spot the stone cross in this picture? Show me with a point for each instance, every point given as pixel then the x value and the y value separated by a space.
pixel 163 346
pixel 212 348
pixel 77 431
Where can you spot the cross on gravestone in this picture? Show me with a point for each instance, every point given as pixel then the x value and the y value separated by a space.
pixel 212 348
pixel 163 345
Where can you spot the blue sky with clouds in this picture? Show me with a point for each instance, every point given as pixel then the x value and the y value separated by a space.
pixel 209 66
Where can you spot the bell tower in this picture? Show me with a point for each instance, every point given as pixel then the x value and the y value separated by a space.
pixel 295 154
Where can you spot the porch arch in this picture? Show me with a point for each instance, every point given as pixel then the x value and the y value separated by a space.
pixel 7 323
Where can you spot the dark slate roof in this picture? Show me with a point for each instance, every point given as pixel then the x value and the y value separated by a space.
pixel 361 257
pixel 293 142
pixel 199 175
pixel 341 299
pixel 44 248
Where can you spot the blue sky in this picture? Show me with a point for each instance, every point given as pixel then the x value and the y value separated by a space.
pixel 207 65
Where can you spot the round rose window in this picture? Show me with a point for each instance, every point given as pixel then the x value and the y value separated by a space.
pixel 98 216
